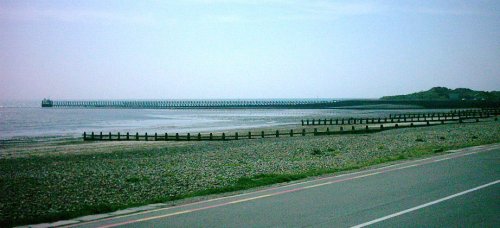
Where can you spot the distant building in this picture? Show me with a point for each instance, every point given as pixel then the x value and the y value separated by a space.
pixel 47 103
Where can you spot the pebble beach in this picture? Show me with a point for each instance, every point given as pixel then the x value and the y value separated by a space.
pixel 68 178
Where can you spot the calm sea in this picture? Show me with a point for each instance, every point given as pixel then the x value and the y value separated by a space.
pixel 27 119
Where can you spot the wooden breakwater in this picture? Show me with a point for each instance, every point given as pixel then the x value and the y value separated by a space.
pixel 459 115
pixel 452 113
pixel 92 136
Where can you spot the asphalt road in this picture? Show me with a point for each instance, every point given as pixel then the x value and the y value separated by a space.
pixel 459 189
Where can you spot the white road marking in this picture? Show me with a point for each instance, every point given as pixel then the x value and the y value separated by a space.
pixel 442 159
pixel 341 180
pixel 425 205
pixel 183 212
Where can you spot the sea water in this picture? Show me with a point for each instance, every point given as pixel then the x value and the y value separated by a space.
pixel 28 119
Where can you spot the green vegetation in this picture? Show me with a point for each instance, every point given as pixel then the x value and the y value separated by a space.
pixel 40 183
pixel 317 152
pixel 443 93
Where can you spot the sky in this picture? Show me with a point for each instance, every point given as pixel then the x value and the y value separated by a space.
pixel 236 49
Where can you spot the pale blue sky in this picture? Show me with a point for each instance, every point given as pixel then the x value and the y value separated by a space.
pixel 245 49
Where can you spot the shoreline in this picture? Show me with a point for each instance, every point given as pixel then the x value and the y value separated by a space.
pixel 71 180
pixel 201 127
pixel 21 146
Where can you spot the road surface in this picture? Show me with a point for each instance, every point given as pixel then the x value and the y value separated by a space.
pixel 459 189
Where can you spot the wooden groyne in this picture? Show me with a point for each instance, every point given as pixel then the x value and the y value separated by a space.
pixel 353 129
pixel 459 115
pixel 463 113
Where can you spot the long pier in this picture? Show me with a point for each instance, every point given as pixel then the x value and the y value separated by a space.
pixel 270 103
pixel 165 104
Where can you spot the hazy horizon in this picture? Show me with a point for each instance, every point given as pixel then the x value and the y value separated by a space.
pixel 241 49
pixel 38 99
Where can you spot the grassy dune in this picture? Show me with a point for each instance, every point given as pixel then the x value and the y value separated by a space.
pixel 49 181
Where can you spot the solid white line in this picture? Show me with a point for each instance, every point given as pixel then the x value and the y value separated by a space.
pixel 424 205
pixel 340 180
pixel 442 159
